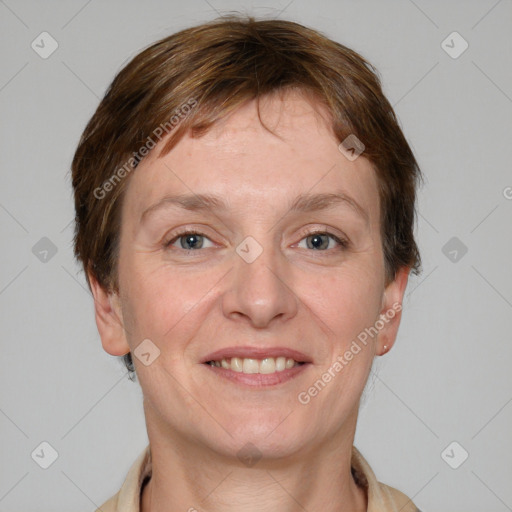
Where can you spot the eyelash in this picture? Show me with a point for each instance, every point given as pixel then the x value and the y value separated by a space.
pixel 343 243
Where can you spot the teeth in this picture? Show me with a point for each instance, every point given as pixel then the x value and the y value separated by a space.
pixel 236 364
pixel 281 364
pixel 248 365
pixel 251 366
pixel 268 365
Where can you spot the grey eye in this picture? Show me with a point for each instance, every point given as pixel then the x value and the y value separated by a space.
pixel 319 241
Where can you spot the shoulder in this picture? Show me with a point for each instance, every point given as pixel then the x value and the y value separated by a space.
pixel 127 498
pixel 393 499
pixel 111 505
pixel 381 497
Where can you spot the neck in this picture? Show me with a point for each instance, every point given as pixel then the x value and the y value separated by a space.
pixel 186 477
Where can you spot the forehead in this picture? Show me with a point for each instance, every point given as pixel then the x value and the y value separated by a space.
pixel 239 158
pixel 291 116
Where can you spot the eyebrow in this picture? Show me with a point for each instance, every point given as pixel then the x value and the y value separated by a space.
pixel 303 203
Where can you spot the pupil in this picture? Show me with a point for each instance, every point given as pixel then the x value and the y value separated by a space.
pixel 317 241
pixel 191 241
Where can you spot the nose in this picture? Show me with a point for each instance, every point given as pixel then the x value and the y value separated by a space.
pixel 260 292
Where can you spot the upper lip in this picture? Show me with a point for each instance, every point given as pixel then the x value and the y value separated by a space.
pixel 257 353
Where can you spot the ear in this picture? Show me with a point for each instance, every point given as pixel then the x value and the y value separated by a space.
pixel 391 311
pixel 109 319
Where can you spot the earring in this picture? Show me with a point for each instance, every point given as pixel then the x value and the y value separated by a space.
pixel 385 349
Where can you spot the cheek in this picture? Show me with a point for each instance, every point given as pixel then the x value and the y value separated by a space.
pixel 158 298
pixel 346 301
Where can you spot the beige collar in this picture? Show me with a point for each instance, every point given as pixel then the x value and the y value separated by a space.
pixel 381 498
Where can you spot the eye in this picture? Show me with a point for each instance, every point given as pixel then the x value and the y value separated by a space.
pixel 189 240
pixel 322 241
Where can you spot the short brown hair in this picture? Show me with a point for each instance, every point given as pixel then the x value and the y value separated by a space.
pixel 216 67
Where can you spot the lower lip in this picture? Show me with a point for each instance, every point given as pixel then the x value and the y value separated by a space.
pixel 258 379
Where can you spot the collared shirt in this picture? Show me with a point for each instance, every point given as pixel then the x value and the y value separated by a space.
pixel 381 498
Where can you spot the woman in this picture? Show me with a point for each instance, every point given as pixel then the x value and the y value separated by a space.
pixel 245 202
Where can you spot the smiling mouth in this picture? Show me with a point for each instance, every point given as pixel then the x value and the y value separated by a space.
pixel 264 366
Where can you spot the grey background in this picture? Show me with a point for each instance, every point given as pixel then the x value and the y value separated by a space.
pixel 448 377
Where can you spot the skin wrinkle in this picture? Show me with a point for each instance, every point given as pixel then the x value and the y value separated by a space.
pixel 189 305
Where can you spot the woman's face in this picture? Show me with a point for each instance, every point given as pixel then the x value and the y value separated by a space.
pixel 262 274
